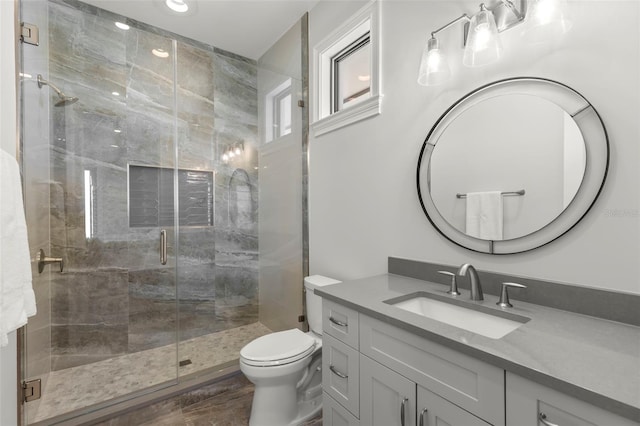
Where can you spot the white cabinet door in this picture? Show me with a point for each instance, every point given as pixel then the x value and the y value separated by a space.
pixel 531 404
pixel 436 411
pixel 334 414
pixel 386 398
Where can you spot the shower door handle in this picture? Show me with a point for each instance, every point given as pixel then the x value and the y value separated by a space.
pixel 163 247
pixel 44 260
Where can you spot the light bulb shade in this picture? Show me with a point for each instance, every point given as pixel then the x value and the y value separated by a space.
pixel 434 68
pixel 483 44
pixel 546 20
pixel 237 150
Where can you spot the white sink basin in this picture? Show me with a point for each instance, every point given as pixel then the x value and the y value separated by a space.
pixel 491 325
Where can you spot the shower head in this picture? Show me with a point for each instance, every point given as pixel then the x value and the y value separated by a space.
pixel 64 99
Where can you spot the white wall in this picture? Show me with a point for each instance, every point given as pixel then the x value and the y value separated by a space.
pixel 8 364
pixel 363 201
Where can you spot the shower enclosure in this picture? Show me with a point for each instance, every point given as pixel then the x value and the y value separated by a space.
pixel 126 133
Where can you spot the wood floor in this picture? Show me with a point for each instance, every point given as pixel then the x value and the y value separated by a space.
pixel 226 403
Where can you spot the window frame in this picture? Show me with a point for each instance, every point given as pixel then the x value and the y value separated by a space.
pixel 354 47
pixel 324 118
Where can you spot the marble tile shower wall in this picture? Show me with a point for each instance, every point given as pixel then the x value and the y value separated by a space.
pixel 114 296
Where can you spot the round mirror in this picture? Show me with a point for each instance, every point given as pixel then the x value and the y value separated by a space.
pixel 513 165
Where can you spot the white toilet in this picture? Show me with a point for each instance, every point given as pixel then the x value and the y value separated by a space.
pixel 285 368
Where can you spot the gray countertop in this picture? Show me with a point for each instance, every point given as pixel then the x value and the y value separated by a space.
pixel 589 358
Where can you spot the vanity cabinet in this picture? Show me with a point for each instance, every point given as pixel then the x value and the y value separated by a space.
pixel 374 371
pixel 531 404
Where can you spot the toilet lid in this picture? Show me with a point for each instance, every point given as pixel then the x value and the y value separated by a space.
pixel 278 348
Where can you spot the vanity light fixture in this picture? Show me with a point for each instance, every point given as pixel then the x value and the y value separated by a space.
pixel 232 151
pixel 179 6
pixel 434 68
pixel 482 45
pixel 160 53
pixel 547 19
pixel 480 39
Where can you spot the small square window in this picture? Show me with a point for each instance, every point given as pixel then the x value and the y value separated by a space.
pixel 346 81
pixel 278 111
pixel 351 74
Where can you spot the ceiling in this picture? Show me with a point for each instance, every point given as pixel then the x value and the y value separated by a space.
pixel 244 27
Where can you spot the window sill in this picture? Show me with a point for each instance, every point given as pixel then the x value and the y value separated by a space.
pixel 348 116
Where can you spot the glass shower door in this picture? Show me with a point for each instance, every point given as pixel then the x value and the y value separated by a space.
pixel 99 163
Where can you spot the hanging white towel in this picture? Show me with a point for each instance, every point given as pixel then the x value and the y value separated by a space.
pixel 17 300
pixel 484 215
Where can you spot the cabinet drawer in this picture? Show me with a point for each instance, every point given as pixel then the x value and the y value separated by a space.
pixel 474 385
pixel 340 322
pixel 334 414
pixel 526 400
pixel 341 373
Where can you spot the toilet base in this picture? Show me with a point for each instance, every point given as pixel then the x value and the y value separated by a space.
pixel 280 403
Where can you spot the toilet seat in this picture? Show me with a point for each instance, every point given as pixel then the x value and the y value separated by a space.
pixel 283 347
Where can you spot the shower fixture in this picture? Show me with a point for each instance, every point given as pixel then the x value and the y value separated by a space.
pixel 64 99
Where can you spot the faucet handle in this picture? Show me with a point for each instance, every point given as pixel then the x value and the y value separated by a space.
pixel 453 290
pixel 504 294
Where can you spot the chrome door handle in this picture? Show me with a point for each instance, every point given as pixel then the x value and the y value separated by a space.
pixel 402 410
pixel 339 323
pixel 44 260
pixel 163 247
pixel 543 418
pixel 422 416
pixel 337 373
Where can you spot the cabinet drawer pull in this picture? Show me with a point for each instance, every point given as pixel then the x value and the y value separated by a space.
pixel 543 418
pixel 339 323
pixel 337 373
pixel 422 416
pixel 402 409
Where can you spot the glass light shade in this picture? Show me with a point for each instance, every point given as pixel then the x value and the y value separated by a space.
pixel 177 5
pixel 483 45
pixel 434 68
pixel 546 19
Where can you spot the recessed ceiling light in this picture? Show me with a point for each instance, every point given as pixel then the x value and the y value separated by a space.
pixel 115 93
pixel 177 5
pixel 160 53
pixel 122 26
pixel 117 131
pixel 364 77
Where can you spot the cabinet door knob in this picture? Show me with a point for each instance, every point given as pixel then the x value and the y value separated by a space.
pixel 422 413
pixel 402 410
pixel 543 418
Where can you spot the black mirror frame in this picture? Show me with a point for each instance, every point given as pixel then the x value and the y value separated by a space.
pixel 597 163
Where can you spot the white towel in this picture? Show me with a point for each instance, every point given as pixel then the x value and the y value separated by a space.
pixel 484 215
pixel 17 300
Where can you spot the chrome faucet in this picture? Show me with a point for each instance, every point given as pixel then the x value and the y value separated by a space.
pixel 476 288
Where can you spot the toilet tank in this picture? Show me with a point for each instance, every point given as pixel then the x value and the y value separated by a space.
pixel 314 303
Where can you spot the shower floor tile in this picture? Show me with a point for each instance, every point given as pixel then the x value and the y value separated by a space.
pixel 82 386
